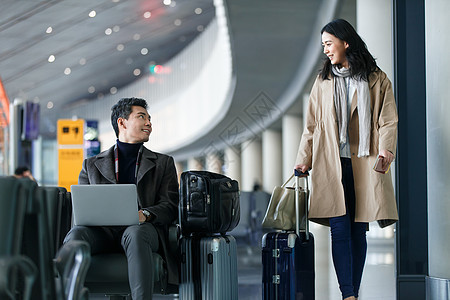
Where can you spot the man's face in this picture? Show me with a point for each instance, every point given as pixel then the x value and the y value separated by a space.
pixel 137 128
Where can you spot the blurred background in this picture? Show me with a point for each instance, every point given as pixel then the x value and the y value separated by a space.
pixel 227 82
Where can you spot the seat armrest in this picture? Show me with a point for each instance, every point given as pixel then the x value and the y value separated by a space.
pixel 72 263
pixel 25 266
pixel 174 237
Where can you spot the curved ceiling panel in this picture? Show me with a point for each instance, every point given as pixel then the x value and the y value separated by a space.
pixel 275 46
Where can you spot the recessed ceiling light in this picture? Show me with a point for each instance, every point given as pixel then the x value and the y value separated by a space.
pixel 113 90
pixel 82 61
pixel 136 72
pixel 91 89
pixel 136 37
pixel 167 2
pixel 92 14
pixel 116 28
pixel 147 14
pixel 67 71
pixel 120 47
pixel 51 58
pixel 177 22
pixel 144 51
pixel 108 31
pixel 198 10
pixel 49 104
pixel 49 29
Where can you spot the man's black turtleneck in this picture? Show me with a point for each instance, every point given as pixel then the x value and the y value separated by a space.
pixel 127 161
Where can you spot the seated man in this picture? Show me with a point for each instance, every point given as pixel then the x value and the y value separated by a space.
pixel 23 172
pixel 156 179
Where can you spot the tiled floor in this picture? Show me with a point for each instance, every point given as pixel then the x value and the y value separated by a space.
pixel 378 281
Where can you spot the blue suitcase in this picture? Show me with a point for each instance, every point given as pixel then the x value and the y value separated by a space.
pixel 288 262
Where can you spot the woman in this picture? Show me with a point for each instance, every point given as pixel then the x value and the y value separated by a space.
pixel 351 120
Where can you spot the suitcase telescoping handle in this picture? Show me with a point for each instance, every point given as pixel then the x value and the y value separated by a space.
pixel 298 175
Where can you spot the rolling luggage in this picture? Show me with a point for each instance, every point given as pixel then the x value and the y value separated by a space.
pixel 288 260
pixel 208 268
pixel 209 203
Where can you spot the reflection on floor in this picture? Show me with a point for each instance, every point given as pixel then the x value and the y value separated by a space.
pixel 378 281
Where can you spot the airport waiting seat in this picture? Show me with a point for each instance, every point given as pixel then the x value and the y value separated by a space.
pixel 108 272
pixel 13 266
pixel 61 272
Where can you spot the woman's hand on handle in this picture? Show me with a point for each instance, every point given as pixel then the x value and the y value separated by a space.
pixel 302 168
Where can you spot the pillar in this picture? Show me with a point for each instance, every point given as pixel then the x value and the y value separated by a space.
pixel 195 164
pixel 271 160
pixel 213 163
pixel 232 164
pixel 292 128
pixel 251 161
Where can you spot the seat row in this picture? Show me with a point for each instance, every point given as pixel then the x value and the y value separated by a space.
pixel 33 264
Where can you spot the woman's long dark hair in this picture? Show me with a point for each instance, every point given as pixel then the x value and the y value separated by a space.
pixel 360 61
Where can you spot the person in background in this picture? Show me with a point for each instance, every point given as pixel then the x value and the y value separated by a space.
pixel 23 172
pixel 154 174
pixel 351 120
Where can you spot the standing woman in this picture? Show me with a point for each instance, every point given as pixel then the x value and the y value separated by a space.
pixel 351 120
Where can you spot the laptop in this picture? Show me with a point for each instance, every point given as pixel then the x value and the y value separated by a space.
pixel 105 205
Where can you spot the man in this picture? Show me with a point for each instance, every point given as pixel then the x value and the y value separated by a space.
pixel 156 179
pixel 23 172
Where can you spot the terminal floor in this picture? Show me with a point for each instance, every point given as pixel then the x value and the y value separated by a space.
pixel 378 281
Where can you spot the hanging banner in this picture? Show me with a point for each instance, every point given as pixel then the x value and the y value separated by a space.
pixel 4 107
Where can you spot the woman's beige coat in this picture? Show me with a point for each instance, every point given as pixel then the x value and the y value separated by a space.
pixel 319 149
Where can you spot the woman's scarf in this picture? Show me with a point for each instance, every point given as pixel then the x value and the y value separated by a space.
pixel 364 113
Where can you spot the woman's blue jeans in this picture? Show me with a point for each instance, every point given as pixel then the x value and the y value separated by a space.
pixel 348 239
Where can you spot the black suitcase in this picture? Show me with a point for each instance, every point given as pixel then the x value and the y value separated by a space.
pixel 288 261
pixel 209 203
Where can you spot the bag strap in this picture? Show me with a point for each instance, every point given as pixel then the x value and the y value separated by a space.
pixel 287 181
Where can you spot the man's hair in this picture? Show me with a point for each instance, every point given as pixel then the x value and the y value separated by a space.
pixel 360 60
pixel 123 108
pixel 20 170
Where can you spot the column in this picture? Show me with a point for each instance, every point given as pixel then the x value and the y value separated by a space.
pixel 232 164
pixel 271 160
pixel 412 244
pixel 292 128
pixel 195 164
pixel 179 167
pixel 213 163
pixel 251 161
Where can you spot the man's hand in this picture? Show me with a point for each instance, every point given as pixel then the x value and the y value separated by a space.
pixel 142 217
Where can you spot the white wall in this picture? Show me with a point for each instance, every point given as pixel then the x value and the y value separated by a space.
pixel 438 135
pixel 374 25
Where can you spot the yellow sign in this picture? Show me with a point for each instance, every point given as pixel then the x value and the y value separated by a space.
pixel 70 164
pixel 70 132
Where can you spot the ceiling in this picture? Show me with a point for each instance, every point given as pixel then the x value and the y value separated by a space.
pixel 275 47
pixel 58 52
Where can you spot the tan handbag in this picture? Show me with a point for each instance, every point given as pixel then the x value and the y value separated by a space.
pixel 280 213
